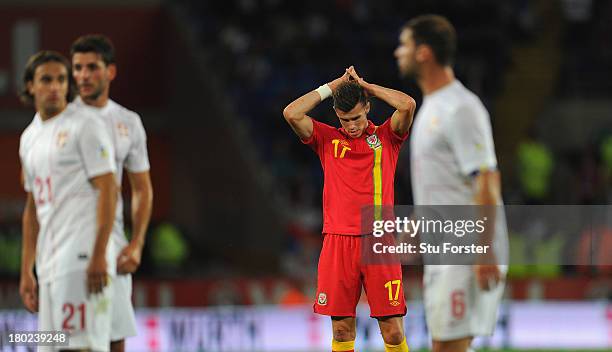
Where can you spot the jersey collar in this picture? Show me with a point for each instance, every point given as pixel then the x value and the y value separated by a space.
pixel 371 128
pixel 79 102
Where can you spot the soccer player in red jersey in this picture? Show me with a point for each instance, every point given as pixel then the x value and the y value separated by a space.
pixel 358 161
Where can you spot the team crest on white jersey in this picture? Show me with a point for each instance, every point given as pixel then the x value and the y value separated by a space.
pixel 123 130
pixel 62 136
pixel 434 124
pixel 322 300
pixel 373 141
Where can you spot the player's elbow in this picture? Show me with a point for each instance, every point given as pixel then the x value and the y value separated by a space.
pixel 290 114
pixel 110 187
pixel 408 104
pixel 412 103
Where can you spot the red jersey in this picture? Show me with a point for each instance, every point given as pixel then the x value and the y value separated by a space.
pixel 357 172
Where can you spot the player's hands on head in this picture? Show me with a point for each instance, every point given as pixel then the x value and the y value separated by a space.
pixel 488 276
pixel 335 83
pixel 354 76
pixel 97 277
pixel 129 258
pixel 28 290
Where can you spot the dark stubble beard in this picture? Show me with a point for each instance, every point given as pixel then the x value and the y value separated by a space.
pixel 95 95
pixel 410 73
pixel 53 110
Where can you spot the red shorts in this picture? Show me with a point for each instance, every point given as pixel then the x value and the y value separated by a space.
pixel 341 275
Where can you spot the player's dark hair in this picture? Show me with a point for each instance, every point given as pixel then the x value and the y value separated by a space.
pixel 436 32
pixel 96 43
pixel 348 95
pixel 42 57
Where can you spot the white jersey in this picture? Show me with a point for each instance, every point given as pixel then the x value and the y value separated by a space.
pixel 59 157
pixel 451 140
pixel 130 143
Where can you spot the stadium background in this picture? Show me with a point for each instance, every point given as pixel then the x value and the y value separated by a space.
pixel 230 259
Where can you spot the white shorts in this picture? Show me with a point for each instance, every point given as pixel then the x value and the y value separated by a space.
pixel 65 305
pixel 455 306
pixel 123 322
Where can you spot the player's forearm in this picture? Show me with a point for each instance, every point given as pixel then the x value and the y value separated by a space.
pixel 142 204
pixel 107 203
pixel 487 197
pixel 29 237
pixel 487 188
pixel 297 109
pixel 398 100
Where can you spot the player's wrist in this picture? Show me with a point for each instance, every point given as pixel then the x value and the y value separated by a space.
pixel 98 253
pixel 137 241
pixel 27 269
pixel 324 91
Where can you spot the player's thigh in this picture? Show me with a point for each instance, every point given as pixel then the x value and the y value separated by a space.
pixel 123 320
pixel 117 346
pixel 486 309
pixel 455 306
pixel 385 290
pixel 45 313
pixel 338 276
pixel 85 317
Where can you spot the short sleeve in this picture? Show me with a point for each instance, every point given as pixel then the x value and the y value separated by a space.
pixel 313 141
pixel 395 138
pixel 27 177
pixel 138 157
pixel 96 148
pixel 470 137
pixel 317 139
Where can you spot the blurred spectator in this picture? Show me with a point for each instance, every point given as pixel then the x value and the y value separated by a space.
pixel 535 164
pixel 590 182
pixel 606 156
pixel 10 252
pixel 168 248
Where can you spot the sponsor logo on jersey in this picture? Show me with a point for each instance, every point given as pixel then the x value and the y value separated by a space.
pixel 394 303
pixel 373 141
pixel 62 136
pixel 433 124
pixel 82 256
pixel 322 300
